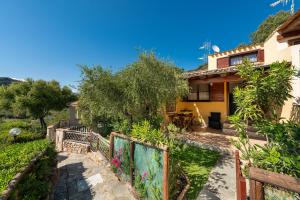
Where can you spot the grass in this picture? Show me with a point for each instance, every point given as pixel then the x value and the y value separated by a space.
pixel 197 164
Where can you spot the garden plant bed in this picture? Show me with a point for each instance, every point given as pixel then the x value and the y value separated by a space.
pixel 26 164
pixel 14 158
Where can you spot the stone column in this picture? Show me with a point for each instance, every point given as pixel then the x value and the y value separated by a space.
pixel 59 139
pixel 51 133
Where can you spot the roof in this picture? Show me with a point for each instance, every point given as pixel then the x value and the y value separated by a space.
pixel 242 48
pixel 201 73
pixel 289 21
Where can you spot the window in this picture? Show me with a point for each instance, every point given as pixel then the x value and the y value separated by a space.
pixel 199 92
pixel 237 60
pixel 193 95
pixel 204 92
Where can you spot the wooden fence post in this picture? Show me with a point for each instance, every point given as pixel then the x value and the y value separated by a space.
pixel 131 162
pixel 252 189
pixel 259 191
pixel 240 180
pixel 111 149
pixel 166 174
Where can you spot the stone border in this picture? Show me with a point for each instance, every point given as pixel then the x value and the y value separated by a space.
pixel 18 177
pixel 206 146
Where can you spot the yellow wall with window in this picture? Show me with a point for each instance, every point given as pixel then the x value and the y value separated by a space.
pixel 202 110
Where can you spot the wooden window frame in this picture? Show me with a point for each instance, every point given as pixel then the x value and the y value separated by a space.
pixel 209 91
pixel 243 55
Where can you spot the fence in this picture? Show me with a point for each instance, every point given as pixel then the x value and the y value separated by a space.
pixel 79 128
pixel 260 179
pixel 146 166
pixel 76 136
pixel 99 143
pixel 95 141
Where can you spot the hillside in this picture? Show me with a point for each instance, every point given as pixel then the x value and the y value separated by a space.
pixel 7 80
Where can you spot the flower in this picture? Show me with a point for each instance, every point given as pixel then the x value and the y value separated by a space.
pixel 120 151
pixel 145 174
pixel 116 162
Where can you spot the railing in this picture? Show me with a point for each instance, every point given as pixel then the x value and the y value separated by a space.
pixel 259 178
pixel 96 141
pixel 79 128
pixel 99 143
pixel 76 136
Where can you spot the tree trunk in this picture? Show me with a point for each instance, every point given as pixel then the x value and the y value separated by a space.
pixel 43 124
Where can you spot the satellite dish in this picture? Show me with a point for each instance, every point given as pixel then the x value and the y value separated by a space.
pixel 14 131
pixel 215 48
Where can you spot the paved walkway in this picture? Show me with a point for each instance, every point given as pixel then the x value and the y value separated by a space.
pixel 80 178
pixel 221 184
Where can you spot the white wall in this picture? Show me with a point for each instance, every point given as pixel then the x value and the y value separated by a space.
pixel 276 51
pixel 296 80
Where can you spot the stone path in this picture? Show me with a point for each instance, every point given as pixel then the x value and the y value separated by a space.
pixel 80 178
pixel 221 181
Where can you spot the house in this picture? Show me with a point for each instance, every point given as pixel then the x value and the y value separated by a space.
pixel 212 89
pixel 74 117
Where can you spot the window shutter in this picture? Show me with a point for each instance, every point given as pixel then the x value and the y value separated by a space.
pixel 223 62
pixel 260 55
pixel 217 92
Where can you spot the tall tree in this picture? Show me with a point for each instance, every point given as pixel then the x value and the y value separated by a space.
pixel 35 98
pixel 268 26
pixel 135 93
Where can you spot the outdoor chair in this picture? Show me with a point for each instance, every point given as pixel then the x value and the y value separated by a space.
pixel 214 121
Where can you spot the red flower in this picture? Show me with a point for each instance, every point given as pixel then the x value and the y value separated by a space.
pixel 144 176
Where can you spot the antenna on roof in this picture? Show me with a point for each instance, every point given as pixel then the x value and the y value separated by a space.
pixel 285 2
pixel 207 47
pixel 215 48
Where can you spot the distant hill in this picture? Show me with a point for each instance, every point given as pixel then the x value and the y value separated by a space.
pixel 7 80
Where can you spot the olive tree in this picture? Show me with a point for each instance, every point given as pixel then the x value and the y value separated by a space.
pixel 35 98
pixel 135 93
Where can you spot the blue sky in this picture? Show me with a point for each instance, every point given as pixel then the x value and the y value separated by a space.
pixel 47 39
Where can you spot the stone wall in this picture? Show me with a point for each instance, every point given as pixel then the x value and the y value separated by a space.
pixel 76 147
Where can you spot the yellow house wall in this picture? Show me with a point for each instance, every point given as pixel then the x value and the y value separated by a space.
pixel 202 110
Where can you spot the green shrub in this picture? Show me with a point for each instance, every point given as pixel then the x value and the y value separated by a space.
pixel 39 180
pixel 145 133
pixel 29 132
pixel 15 157
pixel 258 103
pixel 122 126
